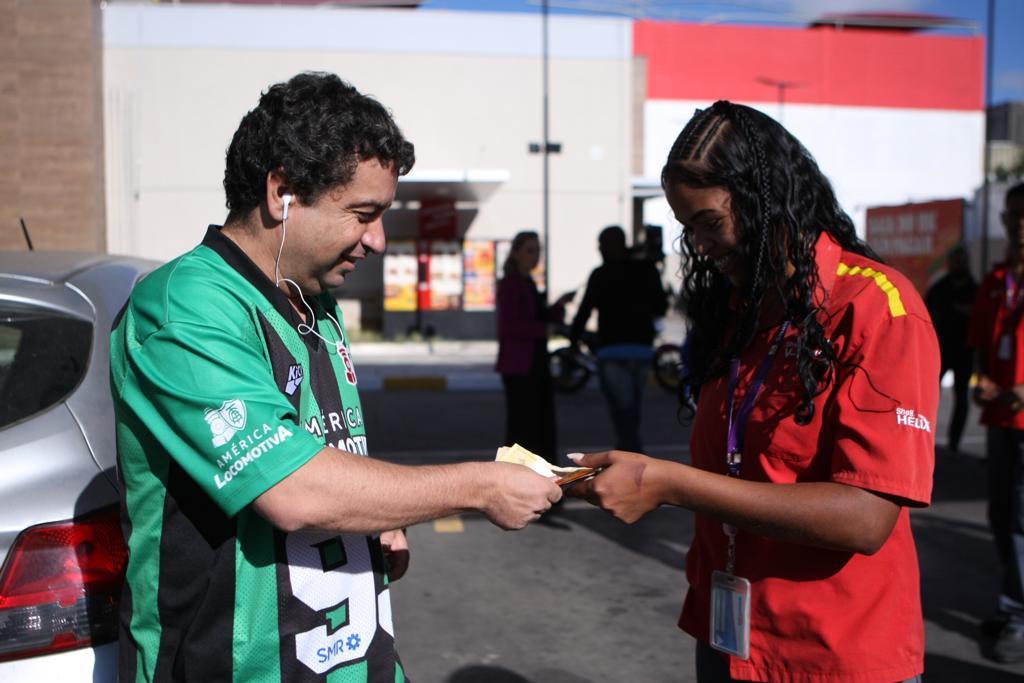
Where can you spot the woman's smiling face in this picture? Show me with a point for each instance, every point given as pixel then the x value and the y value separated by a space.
pixel 707 219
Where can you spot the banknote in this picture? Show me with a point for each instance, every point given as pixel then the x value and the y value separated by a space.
pixel 522 456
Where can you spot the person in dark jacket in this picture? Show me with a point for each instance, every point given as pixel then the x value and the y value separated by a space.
pixel 628 296
pixel 949 302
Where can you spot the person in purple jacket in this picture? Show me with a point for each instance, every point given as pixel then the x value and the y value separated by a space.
pixel 523 318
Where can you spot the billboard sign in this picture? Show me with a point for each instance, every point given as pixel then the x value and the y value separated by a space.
pixel 400 276
pixel 915 238
pixel 479 275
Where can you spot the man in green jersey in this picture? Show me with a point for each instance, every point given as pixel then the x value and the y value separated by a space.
pixel 256 524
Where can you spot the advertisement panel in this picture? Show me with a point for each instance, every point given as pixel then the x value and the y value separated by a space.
pixel 915 238
pixel 478 259
pixel 438 219
pixel 445 275
pixel 400 276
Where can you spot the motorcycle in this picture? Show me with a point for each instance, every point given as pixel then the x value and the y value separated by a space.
pixel 668 366
pixel 573 365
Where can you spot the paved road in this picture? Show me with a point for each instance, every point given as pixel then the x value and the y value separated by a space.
pixel 588 599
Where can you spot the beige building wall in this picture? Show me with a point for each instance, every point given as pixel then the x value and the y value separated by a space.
pixel 51 130
pixel 172 106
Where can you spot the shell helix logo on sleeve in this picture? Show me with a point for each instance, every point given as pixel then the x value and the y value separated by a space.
pixel 908 418
pixel 226 420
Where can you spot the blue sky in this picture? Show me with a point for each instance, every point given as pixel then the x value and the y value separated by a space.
pixel 1008 75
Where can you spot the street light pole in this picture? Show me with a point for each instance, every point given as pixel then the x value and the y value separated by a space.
pixel 545 149
pixel 986 158
pixel 780 89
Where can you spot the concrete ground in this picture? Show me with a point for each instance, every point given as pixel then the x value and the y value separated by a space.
pixel 586 598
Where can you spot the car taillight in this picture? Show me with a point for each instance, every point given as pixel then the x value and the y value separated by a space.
pixel 60 586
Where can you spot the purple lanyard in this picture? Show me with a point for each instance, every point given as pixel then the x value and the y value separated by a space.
pixel 737 424
pixel 1013 296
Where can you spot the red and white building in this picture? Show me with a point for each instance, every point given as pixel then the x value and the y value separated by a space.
pixel 892 116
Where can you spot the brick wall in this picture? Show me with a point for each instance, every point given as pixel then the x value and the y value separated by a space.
pixel 51 124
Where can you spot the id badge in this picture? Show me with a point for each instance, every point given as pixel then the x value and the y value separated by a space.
pixel 730 614
pixel 1005 347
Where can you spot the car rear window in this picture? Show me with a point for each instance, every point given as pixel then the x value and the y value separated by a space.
pixel 43 356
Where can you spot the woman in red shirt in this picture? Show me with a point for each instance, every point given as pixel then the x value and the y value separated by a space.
pixel 815 367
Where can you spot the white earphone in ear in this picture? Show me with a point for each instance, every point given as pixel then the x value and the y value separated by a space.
pixel 287 199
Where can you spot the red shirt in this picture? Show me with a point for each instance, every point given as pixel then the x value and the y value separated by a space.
pixel 822 615
pixel 991 319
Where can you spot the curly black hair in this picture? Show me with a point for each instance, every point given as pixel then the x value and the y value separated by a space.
pixel 1015 191
pixel 315 129
pixel 781 203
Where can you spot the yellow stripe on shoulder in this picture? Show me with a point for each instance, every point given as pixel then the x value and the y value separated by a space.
pixel 895 303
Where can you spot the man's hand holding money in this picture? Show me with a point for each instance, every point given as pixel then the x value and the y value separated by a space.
pixel 563 476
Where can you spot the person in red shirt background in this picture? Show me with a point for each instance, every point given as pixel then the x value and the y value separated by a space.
pixel 814 429
pixel 995 332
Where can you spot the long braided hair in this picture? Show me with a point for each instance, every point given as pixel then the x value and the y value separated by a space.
pixel 781 203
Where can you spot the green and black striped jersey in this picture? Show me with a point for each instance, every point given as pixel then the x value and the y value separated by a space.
pixel 218 397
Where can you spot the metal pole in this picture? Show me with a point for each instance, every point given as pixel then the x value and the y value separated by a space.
pixel 545 145
pixel 986 160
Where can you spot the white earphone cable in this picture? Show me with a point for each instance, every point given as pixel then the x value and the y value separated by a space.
pixel 305 328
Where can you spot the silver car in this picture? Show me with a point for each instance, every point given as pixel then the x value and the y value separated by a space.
pixel 62 555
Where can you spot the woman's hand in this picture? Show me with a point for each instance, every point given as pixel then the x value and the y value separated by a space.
pixel 1015 398
pixel 627 486
pixel 823 514
pixel 565 298
pixel 986 391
